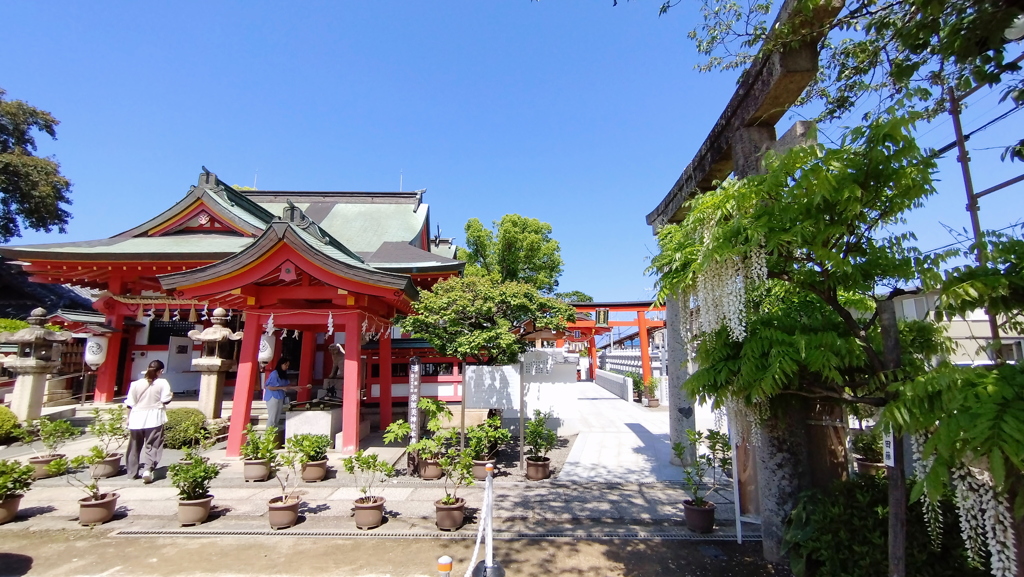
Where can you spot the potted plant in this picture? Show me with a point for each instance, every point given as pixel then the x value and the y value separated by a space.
pixel 368 468
pixel 110 426
pixel 284 508
pixel 435 413
pixel 484 441
pixel 539 442
pixel 867 447
pixel 457 465
pixel 651 392
pixel 192 480
pixel 699 512
pixel 96 507
pixel 312 451
pixel 258 453
pixel 53 435
pixel 15 480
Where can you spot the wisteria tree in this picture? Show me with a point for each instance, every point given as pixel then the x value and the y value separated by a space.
pixel 779 266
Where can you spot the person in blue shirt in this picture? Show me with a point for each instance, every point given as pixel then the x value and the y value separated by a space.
pixel 274 390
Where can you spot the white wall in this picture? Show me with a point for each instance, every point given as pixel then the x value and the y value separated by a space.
pixel 499 388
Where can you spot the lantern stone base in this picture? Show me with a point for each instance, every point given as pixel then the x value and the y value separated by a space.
pixel 30 387
pixel 211 394
pixel 29 390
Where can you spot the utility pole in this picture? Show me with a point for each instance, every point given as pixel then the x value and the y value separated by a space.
pixel 981 256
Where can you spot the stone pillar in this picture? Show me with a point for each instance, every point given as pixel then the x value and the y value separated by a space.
pixel 386 411
pixel 245 385
pixel 211 391
pixel 353 372
pixel 681 412
pixel 782 471
pixel 29 389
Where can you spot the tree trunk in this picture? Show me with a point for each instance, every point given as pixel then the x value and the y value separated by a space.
pixel 896 474
pixel 782 472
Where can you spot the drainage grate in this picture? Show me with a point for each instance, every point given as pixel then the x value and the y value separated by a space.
pixel 641 536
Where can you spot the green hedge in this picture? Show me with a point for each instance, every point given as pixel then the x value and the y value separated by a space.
pixel 844 532
pixel 185 427
pixel 8 425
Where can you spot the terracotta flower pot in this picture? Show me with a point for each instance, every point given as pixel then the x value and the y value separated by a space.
pixel 314 471
pixel 480 469
pixel 653 403
pixel 40 464
pixel 869 468
pixel 256 470
pixel 450 517
pixel 9 508
pixel 283 514
pixel 370 515
pixel 538 468
pixel 699 519
pixel 194 512
pixel 429 469
pixel 96 512
pixel 108 467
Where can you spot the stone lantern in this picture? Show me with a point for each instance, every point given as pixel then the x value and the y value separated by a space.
pixel 215 361
pixel 38 354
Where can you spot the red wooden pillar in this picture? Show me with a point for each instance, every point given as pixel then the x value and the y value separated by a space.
pixel 645 352
pixel 107 375
pixel 386 412
pixel 592 348
pixel 353 382
pixel 307 360
pixel 245 386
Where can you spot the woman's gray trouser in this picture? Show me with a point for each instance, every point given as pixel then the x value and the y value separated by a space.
pixel 145 447
pixel 274 409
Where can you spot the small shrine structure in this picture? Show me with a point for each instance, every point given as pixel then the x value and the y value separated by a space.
pixel 296 271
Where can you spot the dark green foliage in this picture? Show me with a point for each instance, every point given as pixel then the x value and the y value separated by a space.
pixel 843 532
pixel 262 447
pixel 310 447
pixel 32 189
pixel 485 439
pixel 638 382
pixel 478 317
pixel 869 445
pixel 184 428
pixel 15 478
pixel 10 429
pixel 54 434
pixel 539 438
pixel 193 477
pixel 520 249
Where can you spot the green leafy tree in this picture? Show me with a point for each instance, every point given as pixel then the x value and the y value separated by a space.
pixel 33 192
pixel 885 49
pixel 520 249
pixel 480 318
pixel 575 297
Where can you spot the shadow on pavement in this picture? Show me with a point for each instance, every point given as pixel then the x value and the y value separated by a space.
pixel 14 564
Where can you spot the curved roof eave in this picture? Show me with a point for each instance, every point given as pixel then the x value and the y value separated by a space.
pixel 281 231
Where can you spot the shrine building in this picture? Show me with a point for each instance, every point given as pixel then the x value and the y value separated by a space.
pixel 296 270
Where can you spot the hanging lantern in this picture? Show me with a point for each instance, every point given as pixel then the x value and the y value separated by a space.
pixel 95 351
pixel 266 349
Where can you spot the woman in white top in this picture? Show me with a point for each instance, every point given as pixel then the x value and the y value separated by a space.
pixel 148 398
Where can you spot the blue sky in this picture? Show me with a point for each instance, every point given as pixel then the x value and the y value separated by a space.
pixel 577 113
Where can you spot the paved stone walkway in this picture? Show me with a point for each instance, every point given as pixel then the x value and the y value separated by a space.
pixel 619 441
pixel 617 478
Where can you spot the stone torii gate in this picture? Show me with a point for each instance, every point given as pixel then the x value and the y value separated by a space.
pixel 735 145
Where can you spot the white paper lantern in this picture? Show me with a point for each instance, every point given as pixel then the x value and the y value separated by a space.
pixel 266 349
pixel 96 351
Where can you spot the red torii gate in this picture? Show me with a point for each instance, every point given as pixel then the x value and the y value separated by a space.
pixel 642 323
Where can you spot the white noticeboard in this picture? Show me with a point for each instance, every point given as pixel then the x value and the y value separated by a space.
pixel 888 443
